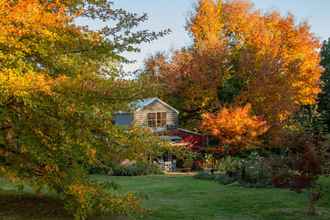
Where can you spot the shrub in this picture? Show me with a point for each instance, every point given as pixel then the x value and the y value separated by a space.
pixel 188 164
pixel 281 180
pixel 230 166
pixel 220 178
pixel 325 154
pixel 137 169
pixel 255 171
pixel 203 175
pixel 235 126
pixel 103 170
pixel 225 179
pixel 251 171
pixel 89 199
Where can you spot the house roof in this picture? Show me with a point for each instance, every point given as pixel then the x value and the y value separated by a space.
pixel 189 132
pixel 142 103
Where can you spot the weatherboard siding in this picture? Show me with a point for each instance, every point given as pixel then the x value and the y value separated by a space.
pixel 140 117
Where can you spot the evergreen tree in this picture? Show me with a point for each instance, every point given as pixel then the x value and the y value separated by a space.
pixel 324 100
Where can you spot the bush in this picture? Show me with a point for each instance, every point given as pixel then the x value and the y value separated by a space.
pixel 281 181
pixel 255 171
pixel 220 178
pixel 303 162
pixel 188 164
pixel 85 200
pixel 203 175
pixel 261 171
pixel 225 179
pixel 137 169
pixel 252 171
pixel 102 170
pixel 230 166
pixel 325 152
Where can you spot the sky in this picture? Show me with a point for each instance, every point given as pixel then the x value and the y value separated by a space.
pixel 172 14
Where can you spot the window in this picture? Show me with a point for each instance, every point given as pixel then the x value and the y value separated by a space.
pixel 151 120
pixel 157 120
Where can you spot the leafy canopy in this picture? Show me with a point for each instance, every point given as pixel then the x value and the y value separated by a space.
pixel 241 56
pixel 324 104
pixel 236 127
pixel 59 87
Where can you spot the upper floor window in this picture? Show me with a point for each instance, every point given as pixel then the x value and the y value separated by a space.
pixel 157 120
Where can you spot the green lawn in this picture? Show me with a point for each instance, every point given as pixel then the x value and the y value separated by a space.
pixel 182 197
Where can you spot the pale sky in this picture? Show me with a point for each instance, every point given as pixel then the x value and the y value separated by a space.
pixel 173 13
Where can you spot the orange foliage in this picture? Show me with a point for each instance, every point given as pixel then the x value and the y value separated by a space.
pixel 206 24
pixel 189 81
pixel 274 61
pixel 278 59
pixel 235 126
pixel 24 27
pixel 30 16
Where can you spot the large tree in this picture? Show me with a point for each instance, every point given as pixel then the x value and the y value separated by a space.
pixel 324 104
pixel 264 59
pixel 58 89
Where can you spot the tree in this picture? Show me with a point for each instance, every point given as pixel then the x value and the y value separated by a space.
pixel 205 24
pixel 190 83
pixel 58 90
pixel 263 59
pixel 236 127
pixel 324 99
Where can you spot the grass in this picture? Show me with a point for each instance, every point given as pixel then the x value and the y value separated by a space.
pixel 180 197
pixel 187 198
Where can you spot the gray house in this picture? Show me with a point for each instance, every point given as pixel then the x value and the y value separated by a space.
pixel 152 113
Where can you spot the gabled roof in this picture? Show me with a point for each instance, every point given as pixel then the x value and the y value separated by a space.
pixel 141 104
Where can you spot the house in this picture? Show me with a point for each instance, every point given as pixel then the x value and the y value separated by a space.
pixel 163 120
pixel 152 113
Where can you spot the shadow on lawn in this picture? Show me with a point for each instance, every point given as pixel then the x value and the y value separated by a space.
pixel 17 207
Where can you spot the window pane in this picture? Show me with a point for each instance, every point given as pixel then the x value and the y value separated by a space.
pixel 159 123
pixel 163 119
pixel 157 119
pixel 151 120
pixel 152 124
pixel 151 116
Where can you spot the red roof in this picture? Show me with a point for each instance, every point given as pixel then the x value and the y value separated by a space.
pixel 194 140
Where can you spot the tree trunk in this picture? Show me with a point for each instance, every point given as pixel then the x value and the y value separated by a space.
pixel 9 135
pixel 313 198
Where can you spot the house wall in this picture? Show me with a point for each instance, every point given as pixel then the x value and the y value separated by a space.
pixel 140 117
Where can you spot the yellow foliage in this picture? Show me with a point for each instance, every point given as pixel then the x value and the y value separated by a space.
pixel 91 154
pixel 51 116
pixel 206 24
pixel 16 85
